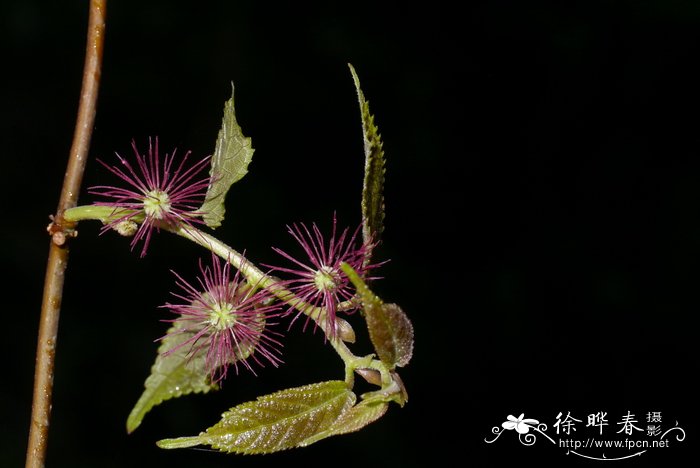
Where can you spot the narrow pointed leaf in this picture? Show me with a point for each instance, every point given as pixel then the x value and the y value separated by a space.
pixel 275 422
pixel 357 417
pixel 172 375
pixel 390 330
pixel 373 186
pixel 229 164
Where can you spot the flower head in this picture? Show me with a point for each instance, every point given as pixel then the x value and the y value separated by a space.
pixel 227 319
pixel 157 193
pixel 320 282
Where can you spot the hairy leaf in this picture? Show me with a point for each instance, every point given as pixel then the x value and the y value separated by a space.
pixel 229 164
pixel 389 328
pixel 373 186
pixel 357 417
pixel 274 422
pixel 172 375
pixel 393 326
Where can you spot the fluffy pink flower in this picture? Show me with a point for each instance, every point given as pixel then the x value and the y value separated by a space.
pixel 228 320
pixel 158 192
pixel 319 281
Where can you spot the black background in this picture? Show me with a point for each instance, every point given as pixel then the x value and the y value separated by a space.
pixel 542 193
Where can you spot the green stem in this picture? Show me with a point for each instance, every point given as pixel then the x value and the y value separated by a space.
pixel 257 277
pixel 91 213
pixel 253 274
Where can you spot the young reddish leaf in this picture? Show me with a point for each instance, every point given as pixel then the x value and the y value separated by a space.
pixel 373 186
pixel 390 329
pixel 173 375
pixel 397 330
pixel 275 422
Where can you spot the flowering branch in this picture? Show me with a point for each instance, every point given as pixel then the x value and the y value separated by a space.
pixel 252 273
pixel 224 319
pixel 61 229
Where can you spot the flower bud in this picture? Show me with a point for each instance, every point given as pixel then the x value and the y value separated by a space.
pixel 370 375
pixel 344 330
pixel 126 228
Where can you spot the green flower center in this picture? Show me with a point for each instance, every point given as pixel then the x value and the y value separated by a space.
pixel 156 204
pixel 327 278
pixel 221 316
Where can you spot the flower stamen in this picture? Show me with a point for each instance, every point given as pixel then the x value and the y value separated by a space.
pixel 156 204
pixel 327 278
pixel 222 316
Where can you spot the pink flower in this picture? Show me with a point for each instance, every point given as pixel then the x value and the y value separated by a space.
pixel 158 193
pixel 228 319
pixel 320 282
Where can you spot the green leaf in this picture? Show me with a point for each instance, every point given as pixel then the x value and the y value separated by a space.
pixel 172 375
pixel 275 422
pixel 390 330
pixel 229 164
pixel 357 417
pixel 373 186
pixel 392 326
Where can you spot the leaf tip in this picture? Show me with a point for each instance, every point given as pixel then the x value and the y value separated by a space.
pixel 180 442
pixel 355 78
pixel 133 422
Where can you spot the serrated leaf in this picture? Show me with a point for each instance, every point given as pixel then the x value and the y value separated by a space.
pixel 229 164
pixel 390 329
pixel 393 327
pixel 357 417
pixel 373 185
pixel 275 422
pixel 172 375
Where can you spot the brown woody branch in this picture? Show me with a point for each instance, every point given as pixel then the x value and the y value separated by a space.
pixel 60 231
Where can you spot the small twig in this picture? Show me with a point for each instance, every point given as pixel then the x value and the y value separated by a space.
pixel 60 231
